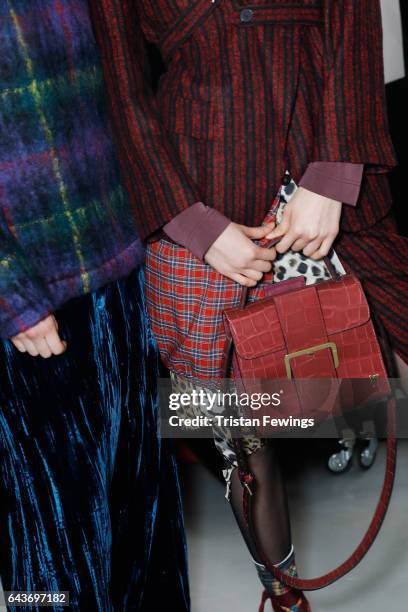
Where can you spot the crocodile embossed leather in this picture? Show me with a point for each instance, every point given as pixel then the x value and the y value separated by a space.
pixel 299 334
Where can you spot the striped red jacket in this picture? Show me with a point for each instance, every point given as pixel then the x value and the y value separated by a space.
pixel 251 88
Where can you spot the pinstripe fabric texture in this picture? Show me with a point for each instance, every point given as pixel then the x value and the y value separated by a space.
pixel 251 88
pixel 379 257
pixel 65 221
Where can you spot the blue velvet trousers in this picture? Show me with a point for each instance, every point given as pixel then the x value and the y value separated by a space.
pixel 89 494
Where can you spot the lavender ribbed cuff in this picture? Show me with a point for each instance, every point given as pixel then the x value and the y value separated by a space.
pixel 197 228
pixel 339 181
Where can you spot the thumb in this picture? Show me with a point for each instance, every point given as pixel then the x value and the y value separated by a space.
pixel 277 232
pixel 282 228
pixel 256 233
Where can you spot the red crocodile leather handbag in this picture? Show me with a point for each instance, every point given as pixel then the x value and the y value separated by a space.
pixel 300 334
pixel 317 340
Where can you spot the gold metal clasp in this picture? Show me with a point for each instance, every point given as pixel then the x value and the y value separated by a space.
pixel 374 379
pixel 310 351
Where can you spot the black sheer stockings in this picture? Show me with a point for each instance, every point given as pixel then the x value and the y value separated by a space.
pixel 270 513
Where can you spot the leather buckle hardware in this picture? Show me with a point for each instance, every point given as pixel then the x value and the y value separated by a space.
pixel 374 379
pixel 310 351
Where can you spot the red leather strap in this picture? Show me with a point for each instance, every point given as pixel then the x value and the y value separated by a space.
pixel 312 584
pixel 248 480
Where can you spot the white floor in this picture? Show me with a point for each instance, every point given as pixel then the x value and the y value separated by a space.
pixel 329 514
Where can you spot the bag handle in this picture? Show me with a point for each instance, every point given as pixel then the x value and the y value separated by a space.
pixel 249 489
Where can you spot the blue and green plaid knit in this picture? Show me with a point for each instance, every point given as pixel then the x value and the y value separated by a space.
pixel 66 225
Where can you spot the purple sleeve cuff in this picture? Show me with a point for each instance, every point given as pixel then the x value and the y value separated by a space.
pixel 196 228
pixel 339 181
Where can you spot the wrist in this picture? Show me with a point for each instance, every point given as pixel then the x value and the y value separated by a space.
pixel 197 228
pixel 339 181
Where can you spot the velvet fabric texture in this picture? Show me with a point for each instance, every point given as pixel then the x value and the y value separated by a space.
pixel 66 226
pixel 89 493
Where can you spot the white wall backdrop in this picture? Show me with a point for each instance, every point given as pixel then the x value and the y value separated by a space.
pixel 393 46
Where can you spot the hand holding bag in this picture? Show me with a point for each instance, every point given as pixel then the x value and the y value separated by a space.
pixel 317 340
pixel 299 333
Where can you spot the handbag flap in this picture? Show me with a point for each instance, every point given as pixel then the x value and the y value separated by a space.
pixel 343 304
pixel 256 330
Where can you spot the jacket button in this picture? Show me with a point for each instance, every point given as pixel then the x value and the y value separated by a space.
pixel 246 15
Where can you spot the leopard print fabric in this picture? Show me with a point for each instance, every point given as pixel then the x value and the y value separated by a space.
pixel 288 265
pixel 222 435
pixel 292 264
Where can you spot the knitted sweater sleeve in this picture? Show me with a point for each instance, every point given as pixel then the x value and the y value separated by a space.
pixel 23 299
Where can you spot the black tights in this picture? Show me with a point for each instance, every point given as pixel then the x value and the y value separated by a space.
pixel 270 512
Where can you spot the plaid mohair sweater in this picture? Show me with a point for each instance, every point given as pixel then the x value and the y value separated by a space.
pixel 66 225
